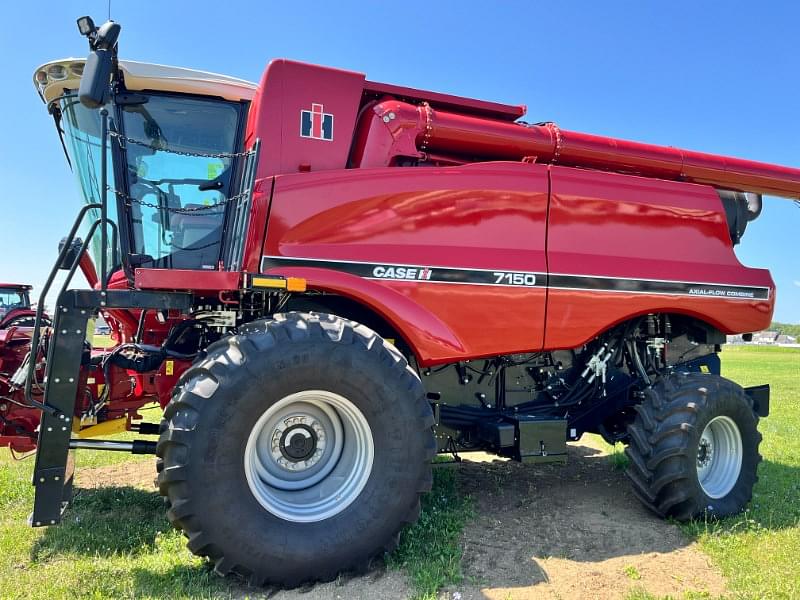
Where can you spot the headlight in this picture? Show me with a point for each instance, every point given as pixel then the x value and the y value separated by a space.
pixel 57 72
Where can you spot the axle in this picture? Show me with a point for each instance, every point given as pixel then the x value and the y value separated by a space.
pixel 134 447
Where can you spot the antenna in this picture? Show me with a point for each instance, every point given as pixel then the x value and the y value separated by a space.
pixel 109 10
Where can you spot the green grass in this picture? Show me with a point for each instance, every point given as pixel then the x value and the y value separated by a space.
pixel 115 542
pixel 640 593
pixel 758 550
pixel 103 341
pixel 632 572
pixel 617 457
pixel 429 550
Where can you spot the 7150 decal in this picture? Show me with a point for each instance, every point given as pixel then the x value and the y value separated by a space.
pixel 507 278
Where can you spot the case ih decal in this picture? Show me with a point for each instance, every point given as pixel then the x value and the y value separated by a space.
pixel 395 272
pixel 316 124
pixel 402 273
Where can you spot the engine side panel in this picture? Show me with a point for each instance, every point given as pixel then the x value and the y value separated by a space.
pixel 643 245
pixel 464 244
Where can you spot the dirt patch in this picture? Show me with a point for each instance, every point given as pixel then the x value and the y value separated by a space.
pixel 381 583
pixel 541 531
pixel 572 531
pixel 139 474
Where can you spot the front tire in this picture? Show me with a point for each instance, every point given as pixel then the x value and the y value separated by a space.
pixel 694 447
pixel 296 450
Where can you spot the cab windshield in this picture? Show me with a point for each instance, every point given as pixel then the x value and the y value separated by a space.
pixel 11 298
pixel 178 173
pixel 173 172
pixel 81 136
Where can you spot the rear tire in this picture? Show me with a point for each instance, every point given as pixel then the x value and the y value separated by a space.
pixel 323 500
pixel 694 447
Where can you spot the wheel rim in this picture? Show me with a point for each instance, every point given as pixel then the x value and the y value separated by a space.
pixel 719 457
pixel 309 456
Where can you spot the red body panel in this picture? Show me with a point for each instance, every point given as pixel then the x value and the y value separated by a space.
pixel 470 106
pixel 493 216
pixel 315 200
pixel 18 423
pixel 286 89
pixel 611 225
pixel 484 215
pixel 14 314
pixel 488 216
pixel 182 279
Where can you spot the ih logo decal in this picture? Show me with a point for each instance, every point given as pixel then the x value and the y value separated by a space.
pixel 316 124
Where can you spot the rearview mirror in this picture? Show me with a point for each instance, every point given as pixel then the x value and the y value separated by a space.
pixel 96 78
pixel 71 254
pixel 94 88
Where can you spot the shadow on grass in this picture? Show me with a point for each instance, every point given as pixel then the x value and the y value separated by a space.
pixel 104 521
pixel 185 581
pixel 131 522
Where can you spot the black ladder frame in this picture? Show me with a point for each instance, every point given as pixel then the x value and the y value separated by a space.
pixel 54 469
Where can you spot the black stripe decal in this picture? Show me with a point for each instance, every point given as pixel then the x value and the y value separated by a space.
pixel 640 286
pixel 420 273
pixel 432 274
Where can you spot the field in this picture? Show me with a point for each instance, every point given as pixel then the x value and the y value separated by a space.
pixel 488 530
pixel 758 550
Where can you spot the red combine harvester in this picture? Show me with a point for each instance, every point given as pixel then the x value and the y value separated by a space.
pixel 325 281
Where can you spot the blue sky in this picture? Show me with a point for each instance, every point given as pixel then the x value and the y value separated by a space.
pixel 713 76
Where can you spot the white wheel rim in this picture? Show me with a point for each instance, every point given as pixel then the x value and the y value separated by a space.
pixel 309 456
pixel 719 457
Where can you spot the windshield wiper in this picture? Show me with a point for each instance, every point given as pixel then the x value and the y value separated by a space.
pixel 56 112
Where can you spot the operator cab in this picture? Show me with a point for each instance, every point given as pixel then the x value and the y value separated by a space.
pixel 13 296
pixel 173 154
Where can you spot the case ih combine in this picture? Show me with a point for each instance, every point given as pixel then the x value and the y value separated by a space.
pixel 324 281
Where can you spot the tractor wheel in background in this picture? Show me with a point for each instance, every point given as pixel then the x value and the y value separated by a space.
pixel 296 449
pixel 694 447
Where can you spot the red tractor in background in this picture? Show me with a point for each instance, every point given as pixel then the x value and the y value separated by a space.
pixel 15 306
pixel 17 319
pixel 325 281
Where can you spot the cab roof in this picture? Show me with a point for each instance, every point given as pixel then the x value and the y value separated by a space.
pixel 19 286
pixel 52 78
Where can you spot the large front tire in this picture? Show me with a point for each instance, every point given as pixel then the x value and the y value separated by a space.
pixel 296 450
pixel 694 447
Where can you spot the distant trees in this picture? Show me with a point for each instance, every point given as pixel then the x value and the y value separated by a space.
pixel 787 328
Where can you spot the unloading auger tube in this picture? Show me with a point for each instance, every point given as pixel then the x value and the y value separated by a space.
pixel 403 126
